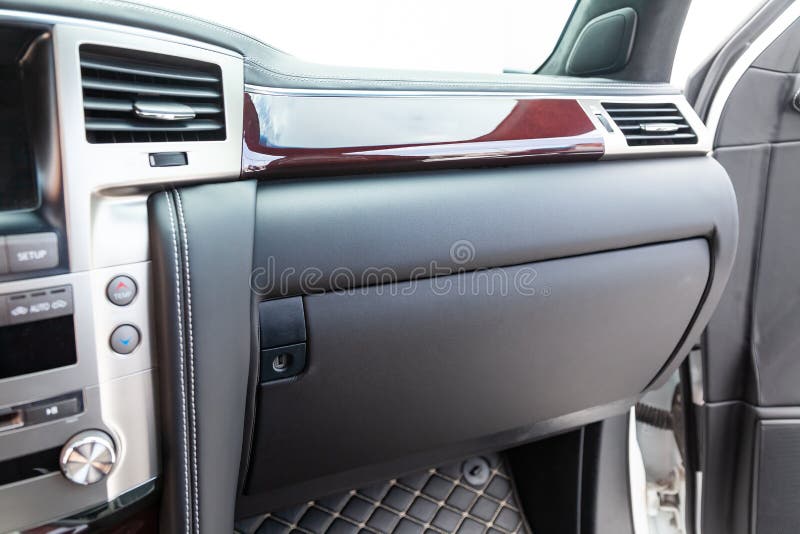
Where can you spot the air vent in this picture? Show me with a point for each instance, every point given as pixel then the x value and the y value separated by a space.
pixel 651 124
pixel 136 97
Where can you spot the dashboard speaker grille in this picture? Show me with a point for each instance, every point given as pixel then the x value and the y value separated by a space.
pixel 138 97
pixel 651 124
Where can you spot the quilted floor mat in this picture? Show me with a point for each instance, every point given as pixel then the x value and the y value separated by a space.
pixel 474 496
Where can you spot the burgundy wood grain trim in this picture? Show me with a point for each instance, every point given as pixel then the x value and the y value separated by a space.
pixel 300 135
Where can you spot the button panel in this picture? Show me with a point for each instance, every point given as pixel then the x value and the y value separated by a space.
pixel 31 252
pixel 17 308
pixel 51 410
pixel 44 411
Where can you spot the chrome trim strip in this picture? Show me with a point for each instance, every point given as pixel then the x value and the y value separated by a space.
pixel 637 479
pixel 379 93
pixel 616 146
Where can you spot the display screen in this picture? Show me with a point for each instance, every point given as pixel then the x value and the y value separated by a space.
pixel 18 189
pixel 37 346
pixel 18 184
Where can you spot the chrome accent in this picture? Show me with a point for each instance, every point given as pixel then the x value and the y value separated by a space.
pixel 637 481
pixel 170 111
pixel 696 375
pixel 174 125
pixel 90 60
pixel 382 93
pixel 149 88
pixel 660 127
pixel 88 457
pixel 735 73
pixel 616 145
pixel 101 213
pixel 796 101
pixel 123 104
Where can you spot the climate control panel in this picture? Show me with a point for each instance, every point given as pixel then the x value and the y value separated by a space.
pixel 77 406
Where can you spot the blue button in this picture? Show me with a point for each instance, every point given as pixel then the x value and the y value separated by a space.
pixel 124 339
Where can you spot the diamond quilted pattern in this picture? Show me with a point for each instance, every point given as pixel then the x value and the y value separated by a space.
pixel 435 501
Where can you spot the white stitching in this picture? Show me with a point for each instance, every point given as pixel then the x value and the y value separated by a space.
pixel 255 64
pixel 180 345
pixel 193 408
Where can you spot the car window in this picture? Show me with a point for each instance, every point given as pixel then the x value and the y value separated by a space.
pixel 447 35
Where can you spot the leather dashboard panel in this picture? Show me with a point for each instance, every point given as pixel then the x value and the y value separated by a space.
pixel 403 376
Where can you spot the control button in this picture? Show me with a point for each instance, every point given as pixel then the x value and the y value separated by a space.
pixel 50 411
pixel 121 290
pixel 3 256
pixel 17 306
pixel 32 252
pixel 124 339
pixel 38 305
pixel 88 457
pixel 168 159
pixel 282 362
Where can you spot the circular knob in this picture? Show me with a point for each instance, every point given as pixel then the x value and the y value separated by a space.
pixel 88 457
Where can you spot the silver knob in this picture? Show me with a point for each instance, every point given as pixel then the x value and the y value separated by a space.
pixel 88 457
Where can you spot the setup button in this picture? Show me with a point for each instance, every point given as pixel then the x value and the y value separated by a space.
pixel 30 252
pixel 124 339
pixel 121 290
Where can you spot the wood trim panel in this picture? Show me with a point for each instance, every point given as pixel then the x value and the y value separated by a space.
pixel 301 135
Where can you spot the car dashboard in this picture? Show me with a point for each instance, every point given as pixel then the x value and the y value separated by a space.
pixel 290 291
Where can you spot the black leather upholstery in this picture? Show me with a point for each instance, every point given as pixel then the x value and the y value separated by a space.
pixel 201 240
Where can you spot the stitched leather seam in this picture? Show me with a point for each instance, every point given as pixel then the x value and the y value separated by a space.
pixel 255 64
pixel 184 425
pixel 192 378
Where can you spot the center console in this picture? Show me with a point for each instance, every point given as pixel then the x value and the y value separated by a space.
pixel 77 405
pixel 78 377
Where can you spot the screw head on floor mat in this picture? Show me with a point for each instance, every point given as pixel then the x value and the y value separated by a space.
pixel 476 471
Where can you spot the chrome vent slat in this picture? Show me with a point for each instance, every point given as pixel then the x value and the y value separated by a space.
pixel 118 84
pixel 149 89
pixel 109 104
pixel 659 118
pixel 651 124
pixel 638 110
pixel 92 61
pixel 635 127
pixel 661 136
pixel 113 125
